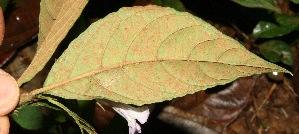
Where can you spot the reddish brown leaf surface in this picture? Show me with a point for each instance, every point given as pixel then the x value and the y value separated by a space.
pixel 211 110
pixel 21 27
pixel 296 71
pixel 1 25
pixel 103 115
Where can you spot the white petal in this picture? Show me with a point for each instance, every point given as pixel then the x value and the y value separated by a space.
pixel 131 114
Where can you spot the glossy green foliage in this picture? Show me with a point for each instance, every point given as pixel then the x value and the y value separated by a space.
pixel 277 51
pixel 266 4
pixel 269 30
pixel 291 21
pixel 295 1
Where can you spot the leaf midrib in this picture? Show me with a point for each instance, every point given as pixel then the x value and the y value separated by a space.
pixel 92 73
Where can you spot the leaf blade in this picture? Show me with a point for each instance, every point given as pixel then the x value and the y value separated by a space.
pixel 165 54
pixel 30 117
pixel 53 28
pixel 291 21
pixel 295 1
pixel 269 30
pixel 276 50
pixel 266 4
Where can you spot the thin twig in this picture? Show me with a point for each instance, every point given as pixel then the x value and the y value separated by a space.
pixel 100 106
pixel 274 85
pixel 240 32
pixel 289 87
pixel 284 112
pixel 255 109
pixel 260 130
pixel 266 98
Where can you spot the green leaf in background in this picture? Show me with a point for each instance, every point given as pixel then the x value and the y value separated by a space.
pixel 268 30
pixel 291 21
pixel 142 55
pixel 29 117
pixel 176 4
pixel 295 1
pixel 276 51
pixel 55 20
pixel 3 4
pixel 86 109
pixel 83 125
pixel 266 4
pixel 60 117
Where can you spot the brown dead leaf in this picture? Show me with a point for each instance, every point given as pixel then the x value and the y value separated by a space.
pixel 209 111
pixel 1 25
pixel 21 27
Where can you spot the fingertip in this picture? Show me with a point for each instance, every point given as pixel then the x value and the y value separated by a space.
pixel 4 127
pixel 9 93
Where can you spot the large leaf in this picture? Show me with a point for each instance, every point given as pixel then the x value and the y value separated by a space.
pixel 149 54
pixel 56 18
pixel 266 4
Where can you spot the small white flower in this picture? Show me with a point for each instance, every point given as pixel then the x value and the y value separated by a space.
pixel 131 114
